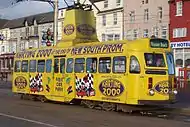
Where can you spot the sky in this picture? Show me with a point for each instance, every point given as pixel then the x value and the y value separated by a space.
pixel 22 9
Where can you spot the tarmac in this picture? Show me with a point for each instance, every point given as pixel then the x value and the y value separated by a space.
pixel 182 104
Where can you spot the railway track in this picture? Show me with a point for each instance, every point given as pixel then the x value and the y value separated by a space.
pixel 167 113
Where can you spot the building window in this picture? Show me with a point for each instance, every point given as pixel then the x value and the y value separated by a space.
pixel 27 31
pixel 135 34
pixel 35 30
pixel 179 32
pixel 115 18
pixel 117 37
pixel 105 3
pixel 179 7
pixel 132 16
pixel 61 13
pixel 146 15
pixel 159 13
pixel 145 33
pixel 118 2
pixel 155 31
pixel 3 48
pixel 164 32
pixel 103 37
pixel 110 37
pixel 104 20
pixel 128 35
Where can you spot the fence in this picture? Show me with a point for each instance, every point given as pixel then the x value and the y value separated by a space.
pixel 183 85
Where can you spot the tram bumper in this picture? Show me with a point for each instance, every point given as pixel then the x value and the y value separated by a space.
pixel 156 102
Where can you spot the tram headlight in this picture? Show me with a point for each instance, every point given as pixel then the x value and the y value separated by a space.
pixel 151 92
pixel 175 92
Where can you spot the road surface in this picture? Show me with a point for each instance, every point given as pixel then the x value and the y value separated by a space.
pixel 22 113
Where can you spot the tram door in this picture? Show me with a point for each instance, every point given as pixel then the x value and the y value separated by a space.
pixel 58 78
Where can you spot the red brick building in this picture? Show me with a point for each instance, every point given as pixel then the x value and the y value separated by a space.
pixel 179 31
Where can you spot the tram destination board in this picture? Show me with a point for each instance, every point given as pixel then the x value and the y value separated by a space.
pixel 159 43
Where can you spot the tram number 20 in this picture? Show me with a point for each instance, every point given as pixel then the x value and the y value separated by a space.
pixel 111 91
pixel 164 90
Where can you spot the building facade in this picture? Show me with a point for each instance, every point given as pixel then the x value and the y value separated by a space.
pixel 144 18
pixel 179 32
pixel 27 32
pixel 109 21
pixel 23 33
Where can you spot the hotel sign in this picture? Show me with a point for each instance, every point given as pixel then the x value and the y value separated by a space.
pixel 183 44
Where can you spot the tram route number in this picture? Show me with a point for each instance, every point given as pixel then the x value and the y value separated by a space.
pixel 162 88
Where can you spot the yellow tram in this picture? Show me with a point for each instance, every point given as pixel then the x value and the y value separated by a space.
pixel 82 69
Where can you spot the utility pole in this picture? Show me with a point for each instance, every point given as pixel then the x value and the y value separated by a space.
pixel 55 22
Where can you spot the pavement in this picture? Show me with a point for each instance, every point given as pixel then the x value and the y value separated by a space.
pixel 23 113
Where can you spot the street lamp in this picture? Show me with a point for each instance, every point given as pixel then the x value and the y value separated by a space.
pixel 54 4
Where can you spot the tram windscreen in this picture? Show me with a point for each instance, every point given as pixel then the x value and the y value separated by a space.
pixel 170 62
pixel 154 60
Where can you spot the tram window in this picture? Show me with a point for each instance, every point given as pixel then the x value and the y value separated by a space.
pixel 48 65
pixel 24 66
pixel 91 65
pixel 56 66
pixel 32 66
pixel 79 65
pixel 41 65
pixel 17 66
pixel 62 65
pixel 105 65
pixel 134 65
pixel 119 64
pixel 69 65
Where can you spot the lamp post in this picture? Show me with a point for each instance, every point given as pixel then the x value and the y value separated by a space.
pixel 54 4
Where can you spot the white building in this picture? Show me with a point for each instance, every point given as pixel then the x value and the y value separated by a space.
pixel 26 32
pixel 144 18
pixel 5 35
pixel 109 21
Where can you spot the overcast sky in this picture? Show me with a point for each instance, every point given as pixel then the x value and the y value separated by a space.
pixel 9 11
